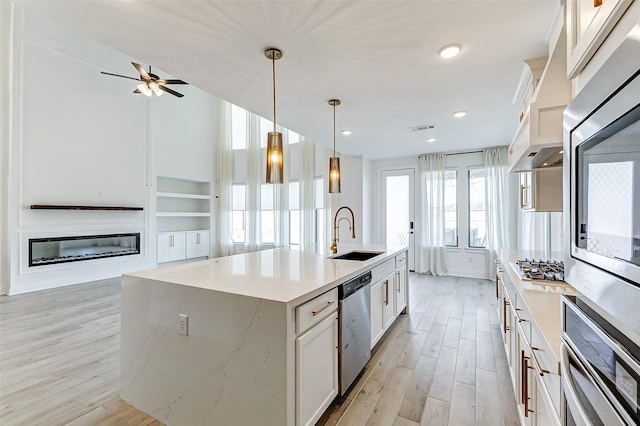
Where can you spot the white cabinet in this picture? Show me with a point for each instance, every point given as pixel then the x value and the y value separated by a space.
pixel 316 358
pixel 534 376
pixel 171 247
pixel 589 23
pixel 174 246
pixel 382 306
pixel 541 191
pixel 197 244
pixel 377 327
pixel 400 290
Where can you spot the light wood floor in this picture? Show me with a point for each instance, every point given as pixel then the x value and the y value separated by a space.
pixel 442 364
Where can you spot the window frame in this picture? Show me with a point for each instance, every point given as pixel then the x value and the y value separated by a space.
pixel 457 209
pixel 484 177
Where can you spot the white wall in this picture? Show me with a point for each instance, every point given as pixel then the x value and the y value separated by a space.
pixel 5 94
pixel 82 138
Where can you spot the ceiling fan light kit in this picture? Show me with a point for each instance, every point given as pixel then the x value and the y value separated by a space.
pixel 275 158
pixel 334 162
pixel 150 83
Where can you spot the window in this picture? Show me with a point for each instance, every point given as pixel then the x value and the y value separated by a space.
pixel 477 207
pixel 267 215
pixel 238 214
pixel 266 126
pixel 293 137
pixel 451 208
pixel 318 206
pixel 238 128
pixel 294 212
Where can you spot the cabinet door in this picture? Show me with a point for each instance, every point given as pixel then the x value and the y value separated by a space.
pixel 388 301
pixel 588 25
pixel 377 300
pixel 316 370
pixel 401 290
pixel 197 244
pixel 170 247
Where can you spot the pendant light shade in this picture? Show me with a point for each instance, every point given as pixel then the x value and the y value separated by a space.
pixel 334 162
pixel 275 159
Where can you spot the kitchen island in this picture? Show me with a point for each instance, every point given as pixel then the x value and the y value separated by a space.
pixel 256 343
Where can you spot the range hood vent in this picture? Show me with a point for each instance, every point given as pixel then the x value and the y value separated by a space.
pixel 537 144
pixel 422 128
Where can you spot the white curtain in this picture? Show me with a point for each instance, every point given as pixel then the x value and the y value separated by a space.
pixel 500 210
pixel 431 244
pixel 224 175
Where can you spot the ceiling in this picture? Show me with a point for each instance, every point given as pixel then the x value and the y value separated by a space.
pixel 380 58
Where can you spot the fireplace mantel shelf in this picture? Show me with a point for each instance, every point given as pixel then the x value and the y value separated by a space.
pixel 70 207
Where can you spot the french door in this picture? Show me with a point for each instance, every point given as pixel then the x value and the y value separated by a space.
pixel 398 210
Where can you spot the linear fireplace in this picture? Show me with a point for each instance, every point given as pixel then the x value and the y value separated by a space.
pixel 48 251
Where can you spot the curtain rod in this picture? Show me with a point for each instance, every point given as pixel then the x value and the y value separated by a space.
pixel 477 151
pixel 456 153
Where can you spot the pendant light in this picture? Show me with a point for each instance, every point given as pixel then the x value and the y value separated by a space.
pixel 334 162
pixel 275 159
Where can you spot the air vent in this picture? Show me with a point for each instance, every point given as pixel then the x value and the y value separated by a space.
pixel 422 128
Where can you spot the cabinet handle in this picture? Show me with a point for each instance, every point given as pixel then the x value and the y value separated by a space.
pixel 314 313
pixel 171 241
pixel 597 3
pixel 536 363
pixel 525 384
pixel 198 238
pixel 398 281
pixel 522 205
pixel 497 288
pixel 386 292
pixel 504 314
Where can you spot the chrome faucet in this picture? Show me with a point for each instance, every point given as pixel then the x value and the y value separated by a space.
pixel 336 224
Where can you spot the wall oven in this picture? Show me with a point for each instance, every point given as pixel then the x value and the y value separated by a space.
pixel 600 369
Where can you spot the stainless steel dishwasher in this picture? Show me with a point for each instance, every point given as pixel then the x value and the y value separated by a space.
pixel 354 336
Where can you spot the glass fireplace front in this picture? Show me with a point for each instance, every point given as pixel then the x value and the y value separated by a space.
pixel 48 251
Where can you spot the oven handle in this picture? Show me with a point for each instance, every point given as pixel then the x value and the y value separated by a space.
pixel 611 415
pixel 569 390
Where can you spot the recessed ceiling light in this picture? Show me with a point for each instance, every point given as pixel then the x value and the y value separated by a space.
pixel 346 132
pixel 459 114
pixel 450 50
pixel 561 152
pixel 431 139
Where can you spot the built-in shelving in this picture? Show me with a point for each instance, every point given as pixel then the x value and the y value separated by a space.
pixel 183 208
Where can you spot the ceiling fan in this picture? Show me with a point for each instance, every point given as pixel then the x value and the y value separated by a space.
pixel 150 83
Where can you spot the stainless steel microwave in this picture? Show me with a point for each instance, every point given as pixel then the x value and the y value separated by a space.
pixel 602 180
pixel 605 189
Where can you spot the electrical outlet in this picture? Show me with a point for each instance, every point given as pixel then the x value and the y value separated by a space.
pixel 183 324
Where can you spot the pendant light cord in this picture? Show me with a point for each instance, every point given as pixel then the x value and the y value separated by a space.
pixel 334 129
pixel 273 63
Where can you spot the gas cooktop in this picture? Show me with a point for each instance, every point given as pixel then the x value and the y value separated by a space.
pixel 539 270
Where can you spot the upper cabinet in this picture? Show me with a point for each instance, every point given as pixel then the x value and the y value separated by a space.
pixel 542 95
pixel 589 22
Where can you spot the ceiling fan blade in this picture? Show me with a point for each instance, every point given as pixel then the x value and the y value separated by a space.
pixel 118 75
pixel 171 81
pixel 145 76
pixel 173 92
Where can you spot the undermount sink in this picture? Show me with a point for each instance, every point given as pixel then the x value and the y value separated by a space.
pixel 357 255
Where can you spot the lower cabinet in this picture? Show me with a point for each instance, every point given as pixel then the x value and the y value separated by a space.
pixel 316 359
pixel 536 387
pixel 197 244
pixel 382 306
pixel 400 290
pixel 171 246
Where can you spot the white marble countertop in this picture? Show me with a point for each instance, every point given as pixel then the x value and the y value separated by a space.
pixel 542 300
pixel 285 274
